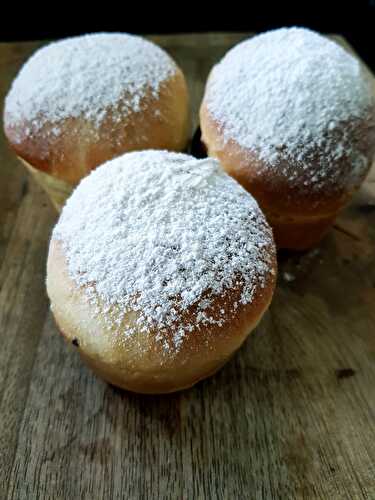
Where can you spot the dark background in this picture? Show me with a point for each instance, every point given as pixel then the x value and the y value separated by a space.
pixel 355 20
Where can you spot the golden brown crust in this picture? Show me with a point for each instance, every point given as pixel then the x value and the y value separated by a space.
pixel 299 217
pixel 299 233
pixel 139 362
pixel 163 123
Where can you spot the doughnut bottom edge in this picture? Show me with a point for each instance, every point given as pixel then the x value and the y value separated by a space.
pixel 299 233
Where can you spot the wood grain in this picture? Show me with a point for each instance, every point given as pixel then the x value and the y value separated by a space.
pixel 290 417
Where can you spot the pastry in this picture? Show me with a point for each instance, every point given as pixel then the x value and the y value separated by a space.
pixel 291 116
pixel 159 268
pixel 81 101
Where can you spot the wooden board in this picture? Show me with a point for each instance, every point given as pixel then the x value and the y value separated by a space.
pixel 291 416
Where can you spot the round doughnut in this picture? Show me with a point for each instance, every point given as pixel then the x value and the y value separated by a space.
pixel 81 101
pixel 158 269
pixel 291 116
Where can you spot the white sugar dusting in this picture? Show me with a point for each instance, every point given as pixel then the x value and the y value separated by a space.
pixel 161 233
pixel 87 76
pixel 285 93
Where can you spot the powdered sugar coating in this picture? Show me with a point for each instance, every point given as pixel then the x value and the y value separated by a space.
pixel 161 233
pixel 289 93
pixel 87 76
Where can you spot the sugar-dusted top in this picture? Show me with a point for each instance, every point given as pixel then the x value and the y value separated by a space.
pixel 286 94
pixel 160 233
pixel 86 76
